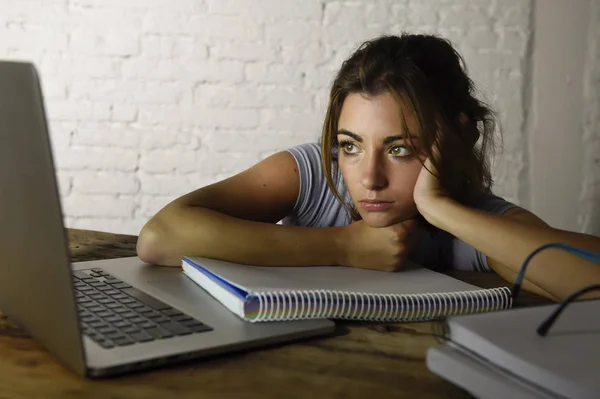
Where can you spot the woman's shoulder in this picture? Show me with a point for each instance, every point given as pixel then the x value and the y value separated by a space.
pixel 316 206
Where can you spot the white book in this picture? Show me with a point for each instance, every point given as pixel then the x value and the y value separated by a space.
pixel 267 293
pixel 565 363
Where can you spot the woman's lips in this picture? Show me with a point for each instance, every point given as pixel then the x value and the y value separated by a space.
pixel 376 205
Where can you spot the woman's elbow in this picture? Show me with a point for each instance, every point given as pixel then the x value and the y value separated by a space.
pixel 151 246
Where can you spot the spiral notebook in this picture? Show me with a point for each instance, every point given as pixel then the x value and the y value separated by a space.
pixel 267 293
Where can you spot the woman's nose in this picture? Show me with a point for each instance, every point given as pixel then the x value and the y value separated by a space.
pixel 373 174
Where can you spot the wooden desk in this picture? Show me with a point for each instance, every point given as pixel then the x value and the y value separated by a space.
pixel 360 360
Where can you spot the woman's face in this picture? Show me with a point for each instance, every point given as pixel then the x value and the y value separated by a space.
pixel 375 159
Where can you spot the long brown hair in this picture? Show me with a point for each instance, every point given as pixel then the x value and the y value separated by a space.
pixel 428 77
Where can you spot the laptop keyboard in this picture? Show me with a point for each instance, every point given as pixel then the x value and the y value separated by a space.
pixel 113 313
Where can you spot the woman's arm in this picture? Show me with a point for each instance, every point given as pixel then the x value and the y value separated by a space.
pixel 235 220
pixel 507 239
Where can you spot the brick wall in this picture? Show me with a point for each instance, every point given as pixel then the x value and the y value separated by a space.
pixel 150 99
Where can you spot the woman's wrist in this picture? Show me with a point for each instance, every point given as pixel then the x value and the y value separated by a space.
pixel 437 210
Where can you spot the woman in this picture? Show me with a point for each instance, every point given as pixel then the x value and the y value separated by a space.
pixel 401 172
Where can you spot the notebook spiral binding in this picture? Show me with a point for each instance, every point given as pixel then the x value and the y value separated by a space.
pixel 321 304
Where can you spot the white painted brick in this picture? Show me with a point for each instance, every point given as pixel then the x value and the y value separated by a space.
pixel 167 161
pixel 162 69
pixel 83 88
pixel 211 71
pixel 88 182
pixel 281 120
pixel 482 38
pixel 54 88
pixel 38 40
pixel 292 32
pixel 222 118
pixel 100 135
pixel 100 206
pixel 166 185
pixel 227 163
pixel 60 136
pixel 226 27
pixel 101 19
pixel 301 52
pixel 88 67
pixel 284 97
pixel 263 72
pixel 83 110
pixel 222 95
pixel 514 41
pixel 267 10
pixel 166 115
pixel 86 158
pixel 123 43
pixel 253 142
pixel 180 47
pixel 123 112
pixel 160 93
pixel 165 139
pixel 243 51
pixel 167 5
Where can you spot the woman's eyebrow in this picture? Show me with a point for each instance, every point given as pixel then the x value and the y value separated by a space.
pixel 387 140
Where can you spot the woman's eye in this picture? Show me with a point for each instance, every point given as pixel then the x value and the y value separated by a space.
pixel 349 148
pixel 400 151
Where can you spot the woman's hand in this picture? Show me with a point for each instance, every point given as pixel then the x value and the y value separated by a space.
pixel 383 248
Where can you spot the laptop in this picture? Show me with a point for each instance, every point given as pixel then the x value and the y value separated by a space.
pixel 99 318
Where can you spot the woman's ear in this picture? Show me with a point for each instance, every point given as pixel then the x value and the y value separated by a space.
pixel 469 128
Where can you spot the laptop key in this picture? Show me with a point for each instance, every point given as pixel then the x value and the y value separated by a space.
pixel 97 324
pixel 172 312
pixel 115 334
pixel 96 309
pixel 107 344
pixel 104 314
pixel 106 330
pixel 137 320
pixel 114 305
pixel 141 336
pixel 80 274
pixel 119 296
pixel 112 280
pixel 121 285
pixel 90 304
pixel 122 324
pixel 129 315
pixel 182 318
pixel 113 319
pixel 147 324
pixel 130 329
pixel 150 301
pixel 176 328
pixel 159 333
pixel 123 341
pixel 135 305
pixel 200 328
pixel 105 301
pixel 121 310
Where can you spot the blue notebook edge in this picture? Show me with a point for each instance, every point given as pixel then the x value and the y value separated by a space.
pixel 240 293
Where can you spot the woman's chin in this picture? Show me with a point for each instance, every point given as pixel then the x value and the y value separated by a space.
pixel 382 219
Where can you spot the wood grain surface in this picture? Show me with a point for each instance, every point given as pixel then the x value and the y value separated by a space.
pixel 359 360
